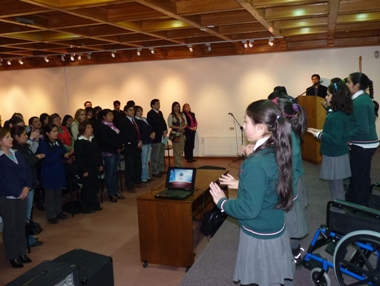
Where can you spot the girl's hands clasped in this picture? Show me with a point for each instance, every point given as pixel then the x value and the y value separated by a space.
pixel 229 180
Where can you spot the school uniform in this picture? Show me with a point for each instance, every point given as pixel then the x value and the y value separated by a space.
pixel 363 144
pixel 15 174
pixel 264 254
pixel 88 159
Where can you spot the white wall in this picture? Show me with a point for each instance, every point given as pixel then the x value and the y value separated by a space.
pixel 213 86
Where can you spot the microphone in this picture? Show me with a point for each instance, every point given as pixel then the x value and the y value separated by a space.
pixel 229 113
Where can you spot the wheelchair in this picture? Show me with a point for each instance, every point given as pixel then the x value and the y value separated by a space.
pixel 352 237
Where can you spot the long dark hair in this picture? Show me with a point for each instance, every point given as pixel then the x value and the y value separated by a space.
pixel 268 113
pixel 365 82
pixel 341 99
pixel 17 131
pixel 295 114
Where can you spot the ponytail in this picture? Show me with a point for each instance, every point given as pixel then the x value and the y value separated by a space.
pixel 268 113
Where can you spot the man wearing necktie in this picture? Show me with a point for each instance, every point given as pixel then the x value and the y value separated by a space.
pixel 130 135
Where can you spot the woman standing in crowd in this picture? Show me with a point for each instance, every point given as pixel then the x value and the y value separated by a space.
pixel 16 180
pixel 363 137
pixel 53 176
pixel 20 138
pixel 334 138
pixel 177 122
pixel 260 207
pixel 44 118
pixel 80 116
pixel 87 155
pixel 190 130
pixel 63 134
pixel 67 122
pixel 110 143
pixel 146 136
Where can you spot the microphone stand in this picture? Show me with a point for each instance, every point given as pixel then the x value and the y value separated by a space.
pixel 241 133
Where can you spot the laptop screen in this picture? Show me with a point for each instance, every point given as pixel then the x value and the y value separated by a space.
pixel 180 178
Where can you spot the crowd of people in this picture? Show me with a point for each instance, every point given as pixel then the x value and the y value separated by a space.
pixel 271 197
pixel 39 158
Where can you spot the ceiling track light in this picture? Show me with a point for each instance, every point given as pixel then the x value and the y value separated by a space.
pixel 190 48
pixel 113 54
pixel 250 43
pixel 63 58
pixel 46 59
pixel 20 61
pixel 9 62
pixel 79 57
pixel 270 41
pixel 208 45
pixel 245 45
pixel 72 57
pixel 138 52
pixel 151 51
pixel 89 55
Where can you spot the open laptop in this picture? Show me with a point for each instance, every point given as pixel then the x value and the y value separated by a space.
pixel 179 185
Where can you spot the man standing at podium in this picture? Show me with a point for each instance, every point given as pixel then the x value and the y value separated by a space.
pixel 316 89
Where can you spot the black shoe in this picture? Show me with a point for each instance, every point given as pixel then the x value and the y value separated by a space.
pixel 120 196
pixel 25 259
pixel 89 212
pixel 189 161
pixel 297 255
pixel 16 263
pixel 53 220
pixel 112 199
pixel 63 216
pixel 37 243
pixel 98 208
pixel 193 160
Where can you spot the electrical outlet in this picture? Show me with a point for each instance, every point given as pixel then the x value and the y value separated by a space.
pixel 232 128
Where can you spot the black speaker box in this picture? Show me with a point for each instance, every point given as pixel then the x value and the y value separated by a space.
pixel 94 269
pixel 49 273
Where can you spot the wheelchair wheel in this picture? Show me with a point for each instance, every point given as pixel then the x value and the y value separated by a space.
pixel 317 279
pixel 357 259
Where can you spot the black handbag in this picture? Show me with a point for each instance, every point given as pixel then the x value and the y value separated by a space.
pixel 33 228
pixel 212 220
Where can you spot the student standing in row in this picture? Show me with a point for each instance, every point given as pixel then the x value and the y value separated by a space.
pixel 363 137
pixel 264 193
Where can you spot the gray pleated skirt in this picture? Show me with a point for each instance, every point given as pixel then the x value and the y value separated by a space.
pixel 296 223
pixel 264 261
pixel 335 168
pixel 303 196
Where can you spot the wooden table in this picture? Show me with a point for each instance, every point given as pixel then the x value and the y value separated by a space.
pixel 166 226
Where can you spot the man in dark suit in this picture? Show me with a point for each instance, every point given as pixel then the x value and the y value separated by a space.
pixel 130 135
pixel 159 127
pixel 316 89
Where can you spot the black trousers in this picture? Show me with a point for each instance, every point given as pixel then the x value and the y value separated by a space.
pixel 90 190
pixel 360 182
pixel 132 168
pixel 189 145
pixel 13 212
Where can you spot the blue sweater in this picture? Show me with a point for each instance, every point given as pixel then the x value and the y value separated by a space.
pixel 53 175
pixel 14 177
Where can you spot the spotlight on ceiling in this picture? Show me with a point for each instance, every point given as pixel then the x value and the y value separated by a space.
pixel 250 43
pixel 270 41
pixel 9 62
pixel 138 52
pixel 208 45
pixel 63 58
pixel 89 55
pixel 113 54
pixel 72 57
pixel 190 48
pixel 46 59
pixel 20 61
pixel 151 51
pixel 79 56
pixel 245 45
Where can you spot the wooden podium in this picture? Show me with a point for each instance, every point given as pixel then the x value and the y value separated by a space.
pixel 315 114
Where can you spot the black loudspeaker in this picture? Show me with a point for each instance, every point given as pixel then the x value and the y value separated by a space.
pixel 49 273
pixel 94 269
